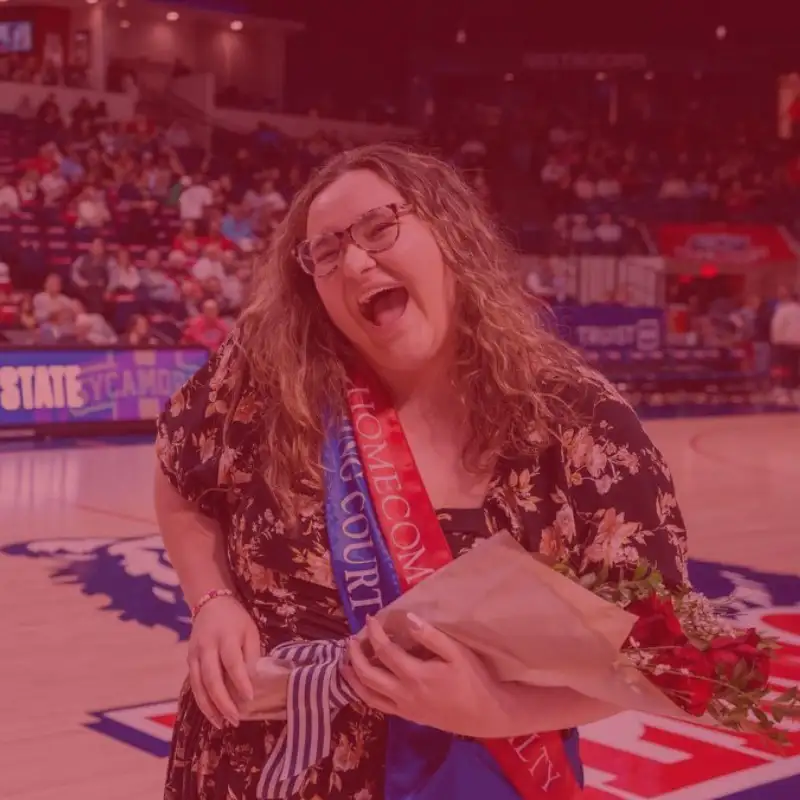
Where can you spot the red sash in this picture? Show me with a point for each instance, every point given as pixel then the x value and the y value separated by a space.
pixel 536 766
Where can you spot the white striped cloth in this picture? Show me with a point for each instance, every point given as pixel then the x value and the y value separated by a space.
pixel 315 695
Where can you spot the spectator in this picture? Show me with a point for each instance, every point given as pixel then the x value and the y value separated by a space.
pixel 46 160
pixel 235 226
pixel 123 275
pixel 138 333
pixel 54 188
pixel 28 190
pixel 762 347
pixel 187 241
pixel 51 300
pixel 5 278
pixel 553 172
pixel 608 231
pixel 25 108
pixel 27 320
pixel 209 265
pixel 194 198
pixel 674 187
pixel 192 298
pixel 207 329
pixel 71 167
pixel 90 275
pixel 785 335
pixel 59 328
pixel 266 200
pixel 584 187
pixel 93 328
pixel 163 292
pixel 177 136
pixel 91 208
pixel 608 188
pixel 216 238
pixel 234 282
pixel 9 197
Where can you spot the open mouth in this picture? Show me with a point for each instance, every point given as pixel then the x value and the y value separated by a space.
pixel 384 306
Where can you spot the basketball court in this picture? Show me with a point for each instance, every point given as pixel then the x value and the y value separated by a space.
pixel 93 629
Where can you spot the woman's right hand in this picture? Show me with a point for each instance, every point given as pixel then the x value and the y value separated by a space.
pixel 223 649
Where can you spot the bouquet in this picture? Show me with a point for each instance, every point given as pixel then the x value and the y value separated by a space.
pixel 701 664
pixel 632 643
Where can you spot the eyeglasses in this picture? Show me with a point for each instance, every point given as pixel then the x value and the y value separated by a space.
pixel 374 232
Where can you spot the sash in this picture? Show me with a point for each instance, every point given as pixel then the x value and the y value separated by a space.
pixel 385 537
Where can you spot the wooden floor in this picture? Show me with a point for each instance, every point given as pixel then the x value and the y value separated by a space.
pixel 92 630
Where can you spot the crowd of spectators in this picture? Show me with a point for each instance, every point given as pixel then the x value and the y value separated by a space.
pixel 116 231
pixel 53 71
pixel 740 176
pixel 128 223
pixel 26 68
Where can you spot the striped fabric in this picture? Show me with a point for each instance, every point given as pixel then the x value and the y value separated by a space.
pixel 315 695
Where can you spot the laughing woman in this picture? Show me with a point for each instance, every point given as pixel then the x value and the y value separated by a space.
pixel 388 287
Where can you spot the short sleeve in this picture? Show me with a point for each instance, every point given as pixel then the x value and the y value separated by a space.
pixel 622 497
pixel 189 434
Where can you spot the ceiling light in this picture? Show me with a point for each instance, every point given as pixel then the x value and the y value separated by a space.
pixel 125 23
pixel 237 25
pixel 173 16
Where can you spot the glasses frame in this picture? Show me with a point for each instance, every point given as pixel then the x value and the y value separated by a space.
pixel 346 236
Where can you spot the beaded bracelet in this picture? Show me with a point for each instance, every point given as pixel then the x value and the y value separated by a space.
pixel 208 597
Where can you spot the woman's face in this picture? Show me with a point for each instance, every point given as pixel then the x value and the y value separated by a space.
pixel 401 330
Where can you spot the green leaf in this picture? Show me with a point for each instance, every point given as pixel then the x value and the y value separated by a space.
pixel 641 571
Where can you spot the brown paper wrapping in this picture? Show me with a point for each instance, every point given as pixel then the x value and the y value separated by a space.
pixel 527 623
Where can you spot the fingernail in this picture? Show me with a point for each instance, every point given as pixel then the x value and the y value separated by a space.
pixel 415 622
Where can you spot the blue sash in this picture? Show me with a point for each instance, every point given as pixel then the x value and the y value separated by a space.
pixel 421 763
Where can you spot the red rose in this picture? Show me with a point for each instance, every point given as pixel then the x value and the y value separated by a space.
pixel 688 676
pixel 658 625
pixel 727 652
pixel 693 691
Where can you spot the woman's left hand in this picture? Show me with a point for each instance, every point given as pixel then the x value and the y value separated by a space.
pixel 452 692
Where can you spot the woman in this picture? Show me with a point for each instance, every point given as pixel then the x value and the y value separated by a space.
pixel 124 275
pixel 387 266
pixel 138 333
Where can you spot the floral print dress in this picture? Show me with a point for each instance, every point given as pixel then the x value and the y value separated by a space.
pixel 602 495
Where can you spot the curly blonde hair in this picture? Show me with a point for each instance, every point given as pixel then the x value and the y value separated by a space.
pixel 511 370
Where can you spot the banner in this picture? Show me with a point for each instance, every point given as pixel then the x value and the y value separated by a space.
pixel 584 61
pixel 725 243
pixel 610 329
pixel 596 279
pixel 57 386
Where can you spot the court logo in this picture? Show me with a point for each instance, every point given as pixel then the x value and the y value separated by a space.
pixel 629 757
pixel 135 576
